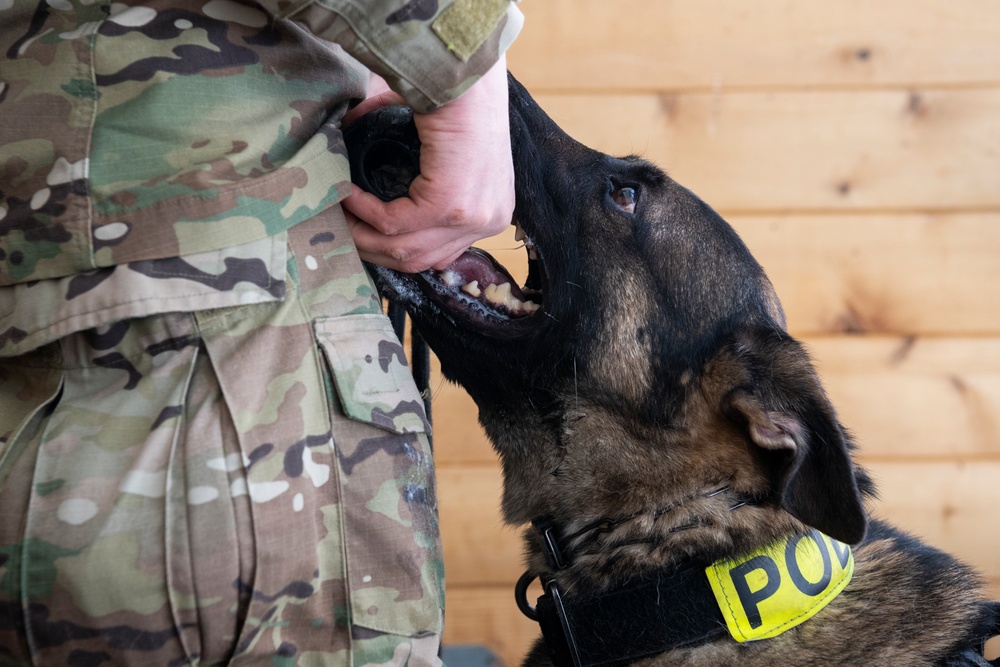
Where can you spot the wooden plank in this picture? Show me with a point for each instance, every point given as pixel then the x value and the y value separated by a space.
pixel 660 44
pixel 931 150
pixel 907 274
pixel 913 398
pixel 458 438
pixel 901 274
pixel 478 547
pixel 951 505
pixel 487 616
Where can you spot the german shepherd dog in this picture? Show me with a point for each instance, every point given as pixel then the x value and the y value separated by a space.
pixel 693 496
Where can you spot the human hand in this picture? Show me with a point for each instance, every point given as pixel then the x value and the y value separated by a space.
pixel 465 189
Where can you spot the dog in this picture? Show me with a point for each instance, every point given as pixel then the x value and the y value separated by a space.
pixel 692 495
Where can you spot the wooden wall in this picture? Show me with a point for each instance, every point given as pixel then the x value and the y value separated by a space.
pixel 855 146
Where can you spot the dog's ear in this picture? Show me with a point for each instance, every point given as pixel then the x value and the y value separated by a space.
pixel 786 415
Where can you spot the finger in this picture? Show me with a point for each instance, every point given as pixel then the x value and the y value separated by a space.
pixel 376 84
pixel 399 216
pixel 373 211
pixel 374 246
pixel 380 99
pixel 408 253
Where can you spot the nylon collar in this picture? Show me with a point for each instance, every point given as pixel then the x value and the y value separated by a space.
pixel 754 597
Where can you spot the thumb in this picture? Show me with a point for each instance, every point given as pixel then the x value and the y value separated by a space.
pixel 383 99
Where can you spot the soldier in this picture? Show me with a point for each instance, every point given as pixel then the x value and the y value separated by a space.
pixel 211 449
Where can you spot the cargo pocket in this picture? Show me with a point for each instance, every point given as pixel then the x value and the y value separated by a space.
pixel 389 506
pixel 27 386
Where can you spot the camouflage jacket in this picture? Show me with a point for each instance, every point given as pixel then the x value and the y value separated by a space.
pixel 135 133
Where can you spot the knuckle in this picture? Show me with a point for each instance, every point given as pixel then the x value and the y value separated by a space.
pixel 398 254
pixel 405 259
pixel 456 217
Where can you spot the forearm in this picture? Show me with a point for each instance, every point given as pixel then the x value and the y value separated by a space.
pixel 428 57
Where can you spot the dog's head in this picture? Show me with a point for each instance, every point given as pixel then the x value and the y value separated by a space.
pixel 645 357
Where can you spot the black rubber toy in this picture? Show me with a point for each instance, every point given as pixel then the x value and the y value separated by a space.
pixel 384 151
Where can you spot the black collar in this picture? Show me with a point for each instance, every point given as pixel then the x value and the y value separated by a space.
pixel 673 609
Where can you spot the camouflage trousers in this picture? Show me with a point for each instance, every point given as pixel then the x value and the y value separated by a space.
pixel 247 485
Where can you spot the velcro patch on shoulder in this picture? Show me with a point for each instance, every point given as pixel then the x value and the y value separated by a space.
pixel 466 24
pixel 771 590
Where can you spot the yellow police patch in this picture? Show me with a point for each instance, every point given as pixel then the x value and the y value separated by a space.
pixel 778 587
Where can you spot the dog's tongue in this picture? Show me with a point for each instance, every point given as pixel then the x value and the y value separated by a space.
pixel 477 265
pixel 477 274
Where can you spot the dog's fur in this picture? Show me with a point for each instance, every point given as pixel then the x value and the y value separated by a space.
pixel 657 370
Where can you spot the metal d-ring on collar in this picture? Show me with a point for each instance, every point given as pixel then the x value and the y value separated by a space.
pixel 553 555
pixel 689 613
pixel 521 595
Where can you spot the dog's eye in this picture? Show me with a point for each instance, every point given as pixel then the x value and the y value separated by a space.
pixel 625 197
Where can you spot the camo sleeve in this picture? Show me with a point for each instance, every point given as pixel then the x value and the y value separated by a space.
pixel 429 51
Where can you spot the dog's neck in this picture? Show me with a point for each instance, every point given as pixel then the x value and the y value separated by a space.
pixel 695 528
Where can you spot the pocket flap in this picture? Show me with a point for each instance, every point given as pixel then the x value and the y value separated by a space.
pixel 372 377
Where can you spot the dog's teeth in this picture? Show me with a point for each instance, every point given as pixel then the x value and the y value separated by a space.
pixel 501 295
pixel 531 252
pixel 519 234
pixel 472 288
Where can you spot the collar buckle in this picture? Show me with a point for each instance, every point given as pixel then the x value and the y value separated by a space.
pixel 546 529
pixel 550 612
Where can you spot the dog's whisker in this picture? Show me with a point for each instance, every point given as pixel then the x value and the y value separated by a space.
pixel 438 389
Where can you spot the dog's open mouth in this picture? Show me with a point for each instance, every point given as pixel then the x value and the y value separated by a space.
pixel 475 289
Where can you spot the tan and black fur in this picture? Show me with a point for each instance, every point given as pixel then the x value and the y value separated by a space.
pixel 658 370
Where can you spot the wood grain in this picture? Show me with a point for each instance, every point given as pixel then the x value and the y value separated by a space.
pixel 630 45
pixel 486 615
pixel 805 150
pixel 915 399
pixel 908 274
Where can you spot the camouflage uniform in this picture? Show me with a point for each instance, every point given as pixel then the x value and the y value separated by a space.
pixel 211 449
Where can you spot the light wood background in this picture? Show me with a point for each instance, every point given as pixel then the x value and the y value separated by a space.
pixel 855 146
